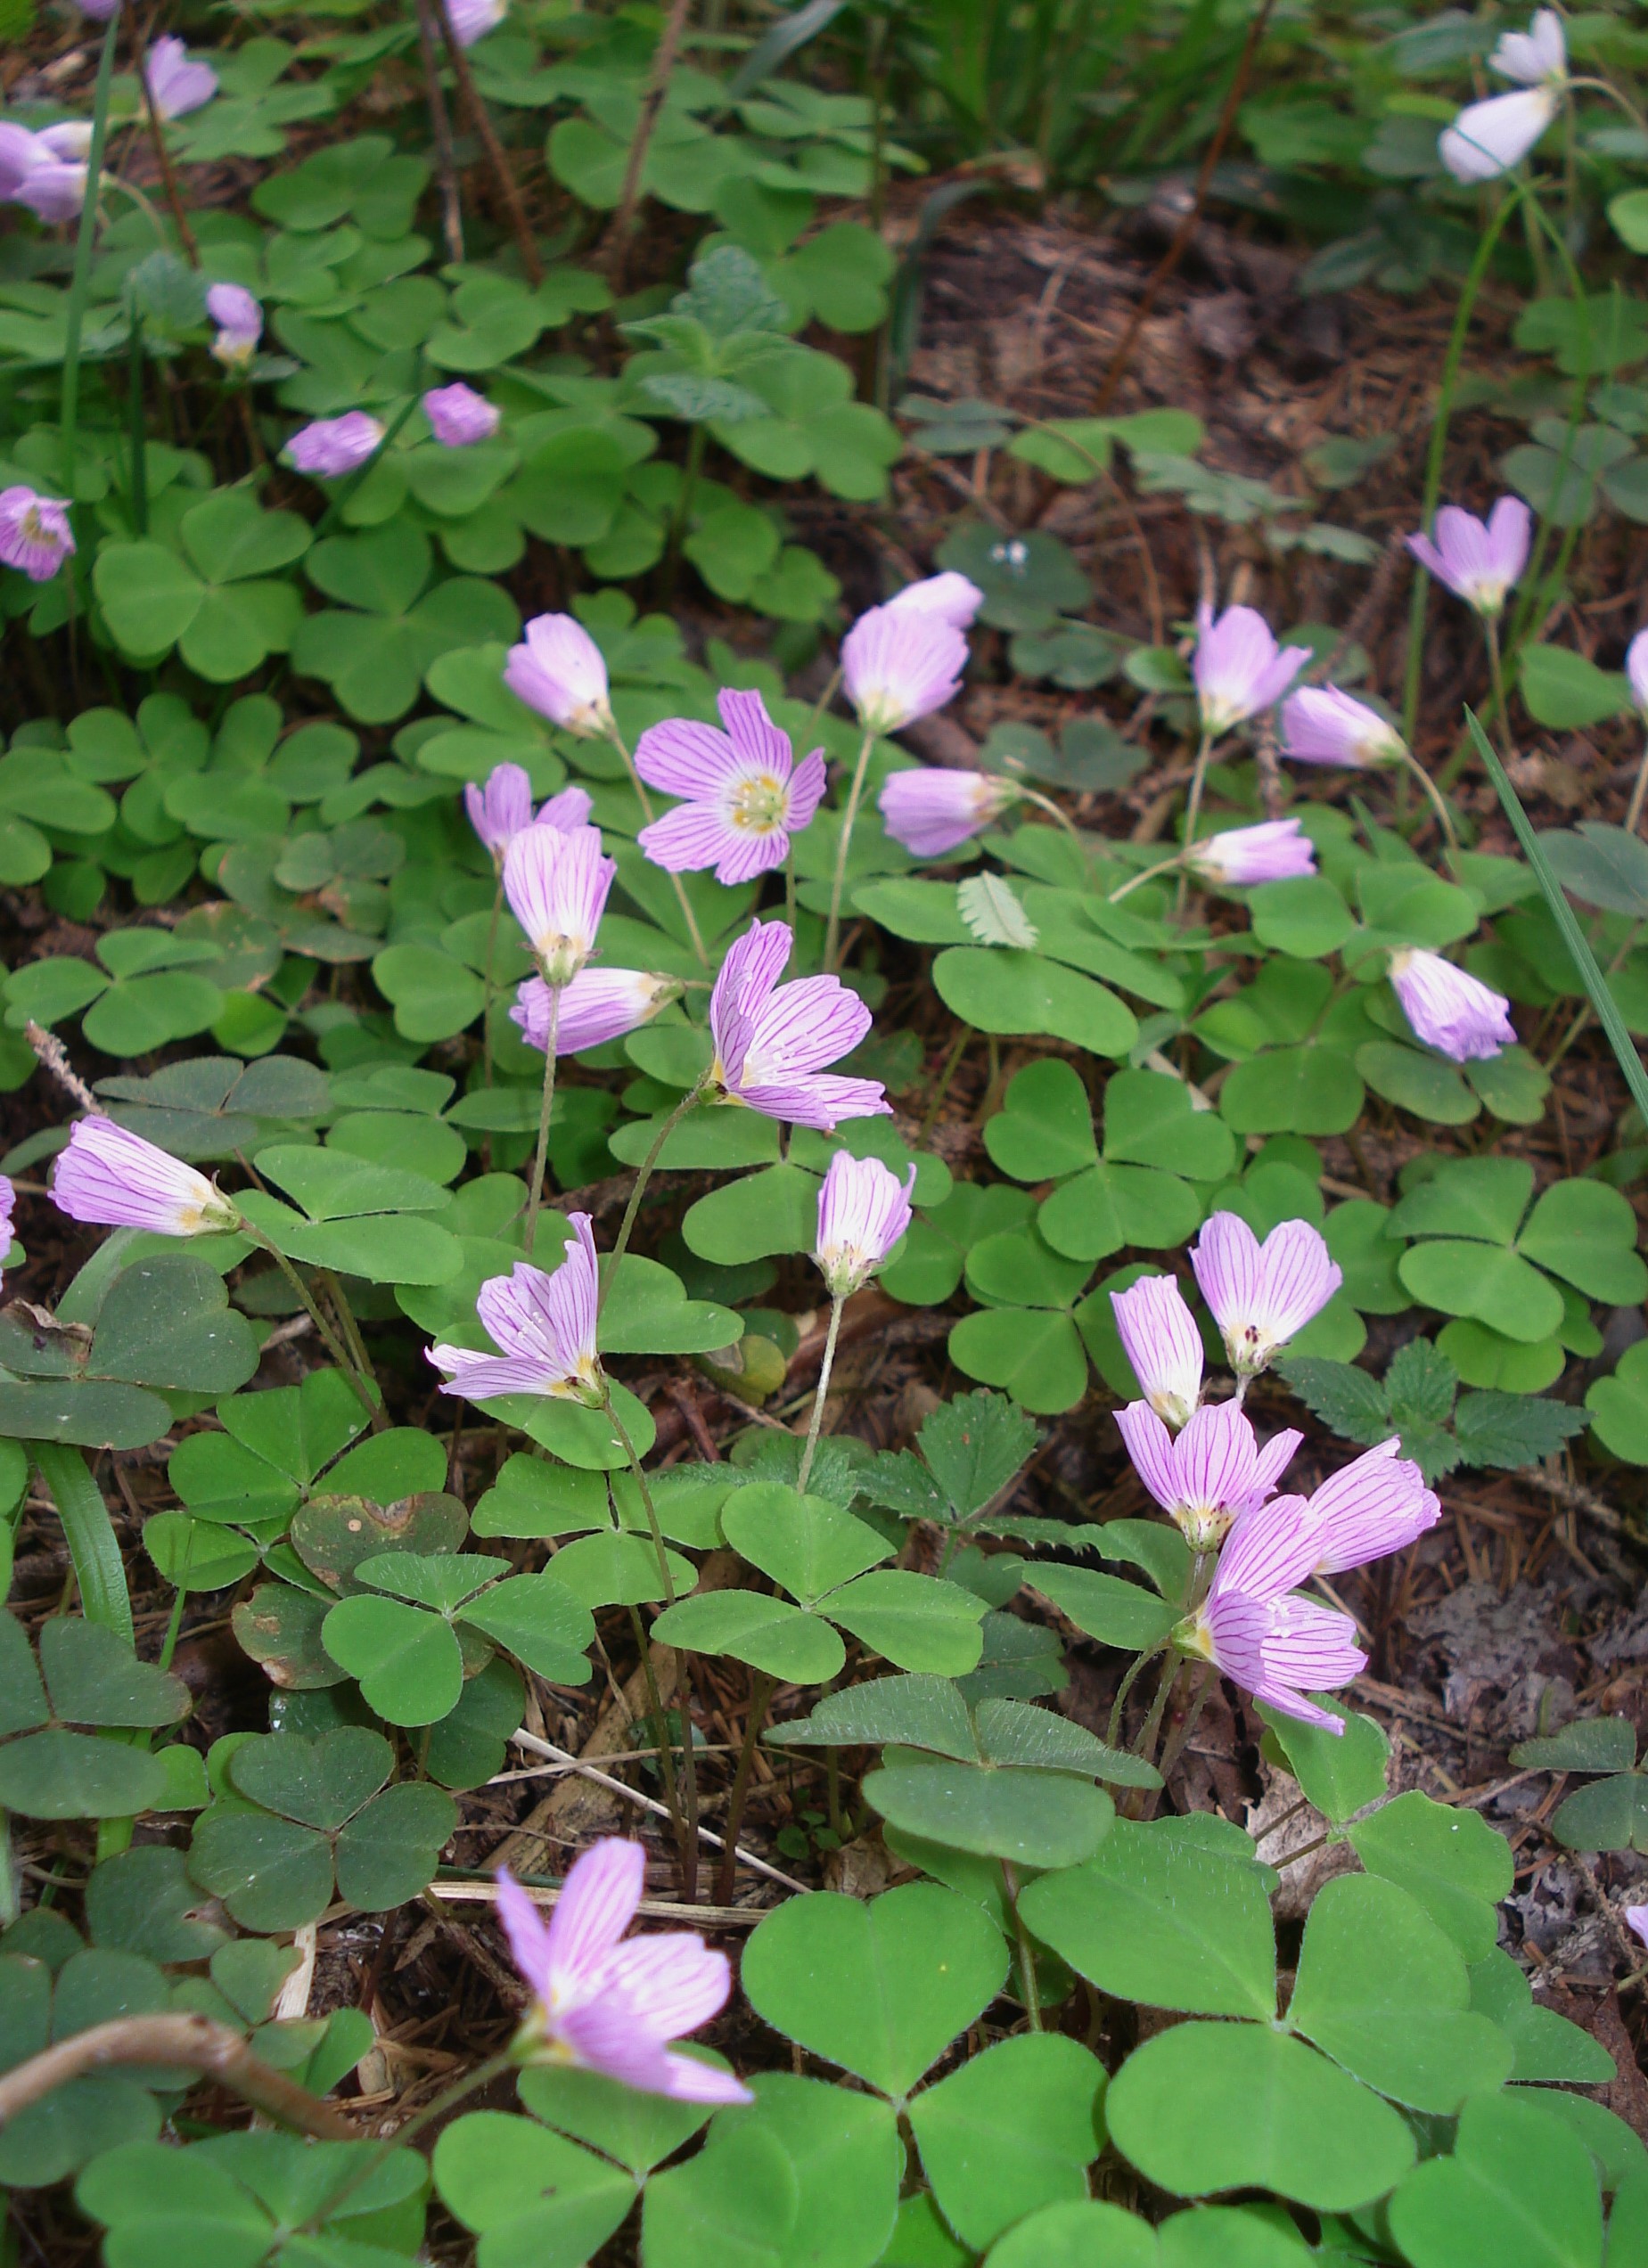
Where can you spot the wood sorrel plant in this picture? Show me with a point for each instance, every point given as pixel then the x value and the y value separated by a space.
pixel 536 1073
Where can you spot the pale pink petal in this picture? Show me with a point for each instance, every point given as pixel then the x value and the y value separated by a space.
pixel 692 837
pixel 683 757
pixel 598 1903
pixel 1159 1339
pixel 1227 1264
pixel 1270 1549
pixel 806 789
pixel 529 1939
pixel 1149 1447
pixel 753 965
pixel 822 1101
pixel 803 1027
pixel 670 1984
pixel 753 734
pixel 1274 1460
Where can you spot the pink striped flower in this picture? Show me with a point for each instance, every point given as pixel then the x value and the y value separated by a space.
pixel 556 882
pixel 931 811
pixel 1212 1474
pixel 1481 561
pixel 1261 1294
pixel 458 415
pixel 1320 724
pixel 328 448
pixel 35 533
pixel 1256 1630
pixel 1239 669
pixel 1376 1504
pixel 772 1040
pixel 898 664
pixel 606 2006
pixel 745 794
pixel 8 1200
pixel 1637 1919
pixel 1159 1339
pixel 864 1208
pixel 176 85
pixel 545 1325
pixel 599 1005
pixel 1274 851
pixel 239 319
pixel 949 596
pixel 115 1179
pixel 559 671
pixel 499 807
pixel 472 20
pixel 1449 1008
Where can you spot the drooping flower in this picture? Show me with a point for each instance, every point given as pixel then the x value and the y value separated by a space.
pixel 1239 669
pixel 1262 1294
pixel 1274 851
pixel 560 672
pixel 1255 1628
pixel 745 795
pixel 772 1040
pixel 930 811
pixel 599 1005
pixel 610 2007
pixel 332 446
pixel 1535 57
pixel 900 664
pixel 499 807
pixel 113 1178
pixel 176 85
pixel 1487 139
pixel 1320 724
pixel 1376 1504
pixel 864 1208
pixel 1159 1339
pixel 1637 670
pixel 472 20
pixel 8 1200
pixel 35 533
pixel 240 323
pixel 1480 563
pixel 556 882
pixel 950 597
pixel 45 171
pixel 545 1325
pixel 1449 1008
pixel 1212 1474
pixel 457 414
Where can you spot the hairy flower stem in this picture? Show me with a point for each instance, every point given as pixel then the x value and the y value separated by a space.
pixel 762 1689
pixel 643 1173
pixel 843 849
pixel 355 1344
pixel 490 983
pixel 1193 814
pixel 683 1688
pixel 694 934
pixel 311 1307
pixel 1027 1956
pixel 1147 875
pixel 1129 1679
pixel 825 1368
pixel 1145 1745
pixel 535 1194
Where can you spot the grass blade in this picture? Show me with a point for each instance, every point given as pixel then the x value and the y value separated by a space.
pixel 1604 1006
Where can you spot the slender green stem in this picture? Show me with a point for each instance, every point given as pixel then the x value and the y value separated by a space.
pixel 535 1194
pixel 490 982
pixel 137 441
pixel 1146 1744
pixel 1584 1016
pixel 941 1084
pixel 1495 678
pixel 1027 1953
pixel 825 1368
pixel 366 2165
pixel 1439 801
pixel 843 848
pixel 1193 814
pixel 329 1338
pixel 1148 874
pixel 1639 791
pixel 345 1317
pixel 664 1751
pixel 645 801
pixel 1046 803
pixel 351 481
pixel 1475 280
pixel 1130 1679
pixel 683 1691
pixel 643 1173
pixel 825 699
pixel 93 1547
pixel 762 1689
pixel 80 284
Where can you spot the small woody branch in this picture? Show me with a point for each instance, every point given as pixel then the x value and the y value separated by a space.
pixel 184 2044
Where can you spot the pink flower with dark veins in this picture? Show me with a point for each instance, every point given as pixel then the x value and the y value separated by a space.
pixel 1255 1628
pixel 556 881
pixel 864 1208
pixel 772 1040
pixel 603 2005
pixel 599 1005
pixel 1262 1294
pixel 901 664
pixel 744 795
pixel 559 671
pixel 114 1179
pixel 545 1324
pixel 1240 670
pixel 1277 850
pixel 35 533
pixel 1320 724
pixel 1160 1337
pixel 929 811
pixel 1212 1474
pixel 1479 561
pixel 328 448
pixel 1376 1504
pixel 1450 1009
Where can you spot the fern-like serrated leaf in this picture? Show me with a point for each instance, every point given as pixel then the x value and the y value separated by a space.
pixel 994 914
